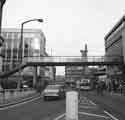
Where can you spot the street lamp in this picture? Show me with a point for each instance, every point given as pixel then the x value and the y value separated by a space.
pixel 21 45
pixel 21 42
pixel 1 9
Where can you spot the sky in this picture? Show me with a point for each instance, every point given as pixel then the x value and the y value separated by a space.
pixel 68 24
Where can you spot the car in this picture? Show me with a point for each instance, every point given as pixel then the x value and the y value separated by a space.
pixel 85 84
pixel 54 91
pixel 25 87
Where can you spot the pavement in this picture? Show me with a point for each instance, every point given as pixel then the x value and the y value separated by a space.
pixel 9 98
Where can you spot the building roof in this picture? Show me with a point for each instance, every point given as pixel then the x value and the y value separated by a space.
pixel 19 30
pixel 115 27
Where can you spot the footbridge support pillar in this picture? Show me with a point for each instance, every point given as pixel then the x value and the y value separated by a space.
pixel 34 76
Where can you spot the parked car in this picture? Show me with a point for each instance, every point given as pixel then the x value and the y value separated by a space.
pixel 25 87
pixel 54 91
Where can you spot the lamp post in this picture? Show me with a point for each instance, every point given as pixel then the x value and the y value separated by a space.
pixel 1 9
pixel 21 42
pixel 21 45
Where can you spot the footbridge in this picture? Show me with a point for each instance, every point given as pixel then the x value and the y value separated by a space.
pixel 64 61
pixel 73 60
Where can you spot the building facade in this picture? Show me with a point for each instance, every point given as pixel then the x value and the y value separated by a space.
pixel 34 45
pixel 115 46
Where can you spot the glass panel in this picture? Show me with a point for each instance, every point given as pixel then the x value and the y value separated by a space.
pixel 15 43
pixel 15 53
pixel 8 54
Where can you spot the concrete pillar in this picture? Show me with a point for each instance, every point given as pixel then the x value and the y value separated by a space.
pixel 72 105
pixel 34 76
pixel 19 80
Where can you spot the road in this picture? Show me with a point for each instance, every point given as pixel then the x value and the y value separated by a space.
pixel 111 103
pixel 34 110
pixel 91 107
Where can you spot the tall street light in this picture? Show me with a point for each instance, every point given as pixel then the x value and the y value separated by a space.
pixel 21 42
pixel 1 9
pixel 21 45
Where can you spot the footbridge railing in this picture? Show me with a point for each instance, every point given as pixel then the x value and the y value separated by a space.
pixel 62 60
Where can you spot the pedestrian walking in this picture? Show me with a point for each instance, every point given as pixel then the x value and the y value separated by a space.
pixel 100 87
pixel 120 88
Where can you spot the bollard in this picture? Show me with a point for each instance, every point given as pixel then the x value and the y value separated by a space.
pixel 71 105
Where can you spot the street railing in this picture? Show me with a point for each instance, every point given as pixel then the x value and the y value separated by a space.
pixel 11 95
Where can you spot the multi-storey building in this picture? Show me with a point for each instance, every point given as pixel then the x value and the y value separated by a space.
pixel 115 46
pixel 33 45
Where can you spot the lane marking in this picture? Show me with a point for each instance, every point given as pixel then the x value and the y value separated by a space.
pixel 84 113
pixel 88 107
pixel 88 101
pixel 109 114
pixel 92 102
pixel 59 117
pixel 94 115
pixel 19 104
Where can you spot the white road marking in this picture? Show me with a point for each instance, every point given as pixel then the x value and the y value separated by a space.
pixel 84 113
pixel 92 102
pixel 18 104
pixel 114 118
pixel 59 117
pixel 94 115
pixel 88 107
pixel 88 101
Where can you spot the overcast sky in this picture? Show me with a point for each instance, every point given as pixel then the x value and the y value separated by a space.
pixel 68 24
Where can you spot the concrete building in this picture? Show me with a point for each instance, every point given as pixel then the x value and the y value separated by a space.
pixel 115 46
pixel 34 45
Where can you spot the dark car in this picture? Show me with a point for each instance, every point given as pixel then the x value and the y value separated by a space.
pixel 54 91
